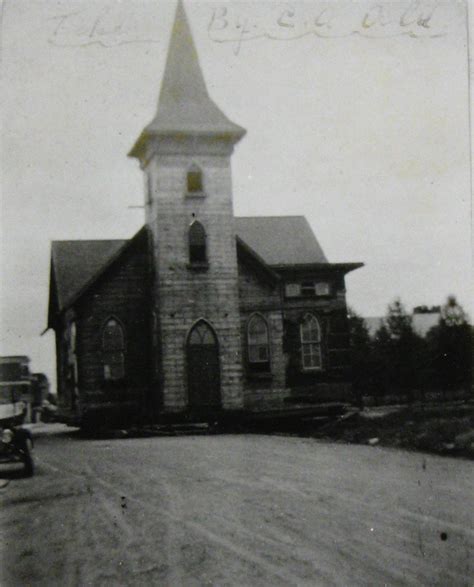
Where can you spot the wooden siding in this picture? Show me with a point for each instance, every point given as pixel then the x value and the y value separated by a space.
pixel 122 293
pixel 256 295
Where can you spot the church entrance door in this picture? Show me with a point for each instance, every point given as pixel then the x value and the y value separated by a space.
pixel 203 367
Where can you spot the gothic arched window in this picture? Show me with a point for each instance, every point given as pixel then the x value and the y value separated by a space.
pixel 194 180
pixel 73 371
pixel 258 343
pixel 113 350
pixel 202 335
pixel 73 337
pixel 310 336
pixel 197 243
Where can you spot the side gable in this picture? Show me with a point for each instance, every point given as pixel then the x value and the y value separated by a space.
pixel 121 291
pixel 77 265
pixel 249 257
pixel 259 286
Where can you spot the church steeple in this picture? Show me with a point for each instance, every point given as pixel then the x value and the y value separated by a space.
pixel 184 106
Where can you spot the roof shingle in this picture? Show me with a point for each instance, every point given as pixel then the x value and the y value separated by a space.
pixel 281 240
pixel 75 263
pixel 278 240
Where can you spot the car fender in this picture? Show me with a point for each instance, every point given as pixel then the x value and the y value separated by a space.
pixel 22 435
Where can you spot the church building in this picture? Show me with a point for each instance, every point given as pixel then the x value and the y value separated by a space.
pixel 201 315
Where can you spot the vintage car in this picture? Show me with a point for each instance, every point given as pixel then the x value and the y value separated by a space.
pixel 16 442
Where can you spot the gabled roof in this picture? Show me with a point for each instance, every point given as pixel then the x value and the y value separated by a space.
pixel 184 105
pixel 281 240
pixel 269 240
pixel 247 254
pixel 75 263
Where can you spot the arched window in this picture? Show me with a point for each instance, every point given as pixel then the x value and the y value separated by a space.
pixel 73 371
pixel 310 335
pixel 72 337
pixel 202 335
pixel 197 243
pixel 194 180
pixel 113 350
pixel 258 344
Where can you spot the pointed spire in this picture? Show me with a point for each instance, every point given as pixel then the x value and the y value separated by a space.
pixel 183 81
pixel 184 105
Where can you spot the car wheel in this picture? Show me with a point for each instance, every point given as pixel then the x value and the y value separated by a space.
pixel 28 462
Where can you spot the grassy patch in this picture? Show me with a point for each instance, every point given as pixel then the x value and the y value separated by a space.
pixel 441 429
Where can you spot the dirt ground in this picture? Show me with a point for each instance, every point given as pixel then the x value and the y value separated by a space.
pixel 244 510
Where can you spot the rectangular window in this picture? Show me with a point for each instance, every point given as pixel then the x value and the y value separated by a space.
pixel 292 290
pixel 322 289
pixel 194 182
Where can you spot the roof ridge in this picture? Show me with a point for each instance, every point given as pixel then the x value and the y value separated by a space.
pixel 91 240
pixel 126 243
pixel 275 216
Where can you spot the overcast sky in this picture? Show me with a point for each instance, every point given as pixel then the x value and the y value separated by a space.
pixel 356 117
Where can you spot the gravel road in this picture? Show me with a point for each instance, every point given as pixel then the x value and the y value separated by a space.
pixel 244 510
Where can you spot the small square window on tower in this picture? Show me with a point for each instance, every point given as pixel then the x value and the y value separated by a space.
pixel 194 181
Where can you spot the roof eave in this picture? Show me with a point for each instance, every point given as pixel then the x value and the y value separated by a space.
pixel 340 267
pixel 242 246
pixel 229 135
pixel 75 298
pixel 53 302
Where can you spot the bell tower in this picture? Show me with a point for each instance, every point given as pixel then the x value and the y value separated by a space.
pixel 185 154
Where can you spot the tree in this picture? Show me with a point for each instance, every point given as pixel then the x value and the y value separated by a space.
pixel 398 351
pixel 360 354
pixel 382 360
pixel 450 345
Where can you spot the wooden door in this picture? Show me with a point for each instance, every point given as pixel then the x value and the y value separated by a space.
pixel 203 367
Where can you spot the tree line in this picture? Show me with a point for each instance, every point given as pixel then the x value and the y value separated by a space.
pixel 398 361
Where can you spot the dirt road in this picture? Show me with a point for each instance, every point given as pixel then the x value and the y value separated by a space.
pixel 236 510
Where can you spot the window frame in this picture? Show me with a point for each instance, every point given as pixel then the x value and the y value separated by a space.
pixel 314 345
pixel 118 352
pixel 319 285
pixel 198 257
pixel 72 359
pixel 262 365
pixel 194 174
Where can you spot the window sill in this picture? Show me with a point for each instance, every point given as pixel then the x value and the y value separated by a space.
pixel 197 195
pixel 259 376
pixel 112 384
pixel 198 266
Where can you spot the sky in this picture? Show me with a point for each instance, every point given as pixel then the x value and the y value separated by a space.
pixel 357 116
